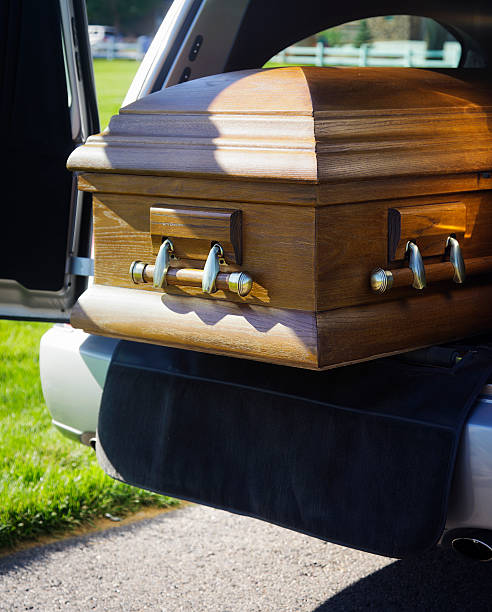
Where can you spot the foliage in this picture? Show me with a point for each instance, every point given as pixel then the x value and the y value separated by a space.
pixel 435 35
pixel 334 37
pixel 47 482
pixel 363 35
pixel 125 15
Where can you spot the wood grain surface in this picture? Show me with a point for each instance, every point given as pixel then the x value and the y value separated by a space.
pixel 266 192
pixel 368 190
pixel 299 257
pixel 303 124
pixel 348 335
pixel 352 240
pixel 206 225
pixel 278 248
pixel 428 226
pixel 278 192
pixel 254 332
pixel 219 189
pixel 295 338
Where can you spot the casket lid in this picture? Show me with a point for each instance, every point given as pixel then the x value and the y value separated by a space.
pixel 303 124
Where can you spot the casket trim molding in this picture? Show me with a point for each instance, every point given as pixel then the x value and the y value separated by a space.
pixel 323 128
pixel 290 337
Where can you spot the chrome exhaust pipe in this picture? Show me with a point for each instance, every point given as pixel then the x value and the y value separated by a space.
pixel 477 548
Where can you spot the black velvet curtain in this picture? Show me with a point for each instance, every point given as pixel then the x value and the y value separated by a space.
pixel 36 141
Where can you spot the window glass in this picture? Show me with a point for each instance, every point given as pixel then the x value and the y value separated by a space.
pixel 392 40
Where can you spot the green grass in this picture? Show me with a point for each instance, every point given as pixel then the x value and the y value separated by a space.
pixel 278 65
pixel 49 483
pixel 113 79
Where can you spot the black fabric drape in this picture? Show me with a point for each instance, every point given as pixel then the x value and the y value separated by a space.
pixel 36 141
pixel 361 455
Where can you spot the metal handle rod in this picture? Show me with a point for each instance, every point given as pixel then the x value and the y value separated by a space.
pixel 237 282
pixel 435 273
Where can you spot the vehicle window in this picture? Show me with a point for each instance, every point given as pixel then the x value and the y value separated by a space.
pixel 392 40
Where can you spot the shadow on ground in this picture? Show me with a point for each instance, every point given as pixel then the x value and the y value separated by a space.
pixel 438 580
pixel 34 553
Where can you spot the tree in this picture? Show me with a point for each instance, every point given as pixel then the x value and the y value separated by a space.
pixel 435 35
pixel 363 35
pixel 334 37
pixel 127 16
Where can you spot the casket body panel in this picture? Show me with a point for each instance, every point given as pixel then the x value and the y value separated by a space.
pixel 327 174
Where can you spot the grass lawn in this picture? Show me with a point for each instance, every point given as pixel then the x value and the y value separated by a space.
pixel 113 79
pixel 47 482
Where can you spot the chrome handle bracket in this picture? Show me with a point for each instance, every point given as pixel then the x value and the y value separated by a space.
pixel 381 280
pixel 456 258
pixel 212 268
pixel 240 283
pixel 162 262
pixel 137 269
pixel 416 265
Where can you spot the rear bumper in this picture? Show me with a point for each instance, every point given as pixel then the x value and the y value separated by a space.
pixel 470 504
pixel 74 365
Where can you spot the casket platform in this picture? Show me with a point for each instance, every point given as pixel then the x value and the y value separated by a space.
pixel 310 217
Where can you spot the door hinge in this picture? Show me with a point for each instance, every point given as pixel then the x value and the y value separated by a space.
pixel 81 266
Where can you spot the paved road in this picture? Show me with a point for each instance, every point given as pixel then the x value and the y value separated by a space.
pixel 203 559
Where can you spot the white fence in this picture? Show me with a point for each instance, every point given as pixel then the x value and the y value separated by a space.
pixel 112 49
pixel 405 53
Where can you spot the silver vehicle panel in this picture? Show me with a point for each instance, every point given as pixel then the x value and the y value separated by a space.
pixel 73 367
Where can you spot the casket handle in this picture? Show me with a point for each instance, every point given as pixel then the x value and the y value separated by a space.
pixel 456 269
pixel 212 268
pixel 456 259
pixel 162 262
pixel 210 279
pixel 416 265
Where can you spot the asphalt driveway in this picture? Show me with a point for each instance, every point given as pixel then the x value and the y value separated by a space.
pixel 198 558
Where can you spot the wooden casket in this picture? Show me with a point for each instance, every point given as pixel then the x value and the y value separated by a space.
pixel 303 216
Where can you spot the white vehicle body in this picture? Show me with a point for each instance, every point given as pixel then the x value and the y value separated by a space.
pixel 74 364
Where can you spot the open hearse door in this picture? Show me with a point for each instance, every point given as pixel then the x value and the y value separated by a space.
pixel 48 108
